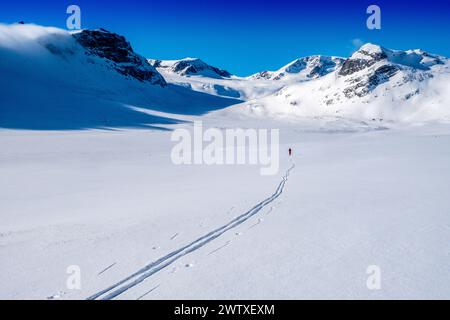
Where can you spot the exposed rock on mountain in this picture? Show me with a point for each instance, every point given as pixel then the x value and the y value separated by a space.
pixel 307 68
pixel 373 65
pixel 365 57
pixel 53 79
pixel 374 83
pixel 118 51
pixel 96 77
pixel 190 66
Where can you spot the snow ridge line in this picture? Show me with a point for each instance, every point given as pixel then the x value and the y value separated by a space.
pixel 152 268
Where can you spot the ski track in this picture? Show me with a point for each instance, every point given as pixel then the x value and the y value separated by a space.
pixel 149 291
pixel 106 269
pixel 152 268
pixel 221 247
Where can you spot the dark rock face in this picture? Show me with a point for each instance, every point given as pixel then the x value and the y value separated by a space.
pixel 378 65
pixel 363 87
pixel 382 74
pixel 352 65
pixel 117 50
pixel 323 67
pixel 196 66
pixel 297 66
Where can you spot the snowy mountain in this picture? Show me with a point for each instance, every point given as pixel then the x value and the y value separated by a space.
pixel 55 79
pixel 373 65
pixel 194 74
pixel 84 189
pixel 199 76
pixel 373 83
pixel 190 66
pixel 303 68
pixel 117 52
pixel 93 78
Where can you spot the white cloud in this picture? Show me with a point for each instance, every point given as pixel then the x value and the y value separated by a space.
pixel 357 43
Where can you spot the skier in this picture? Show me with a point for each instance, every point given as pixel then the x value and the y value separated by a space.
pixel 290 152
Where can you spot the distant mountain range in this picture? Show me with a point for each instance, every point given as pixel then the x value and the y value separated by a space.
pixel 305 68
pixel 373 83
pixel 57 79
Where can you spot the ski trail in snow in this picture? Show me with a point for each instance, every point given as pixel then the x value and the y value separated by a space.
pixel 151 290
pixel 106 269
pixel 152 268
pixel 221 247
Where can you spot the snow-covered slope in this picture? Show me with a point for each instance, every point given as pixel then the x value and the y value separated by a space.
pixel 199 76
pixel 232 87
pixel 196 75
pixel 113 204
pixel 190 66
pixel 93 78
pixel 117 52
pixel 302 69
pixel 374 83
pixel 54 79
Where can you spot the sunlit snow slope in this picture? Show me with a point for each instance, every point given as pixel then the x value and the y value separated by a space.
pixel 53 79
pixel 375 83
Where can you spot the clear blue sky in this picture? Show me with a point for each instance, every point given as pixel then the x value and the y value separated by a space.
pixel 247 36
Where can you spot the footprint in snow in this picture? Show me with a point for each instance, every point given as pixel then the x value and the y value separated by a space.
pixel 258 222
pixel 56 295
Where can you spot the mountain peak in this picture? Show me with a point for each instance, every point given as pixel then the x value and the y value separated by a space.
pixel 371 48
pixel 308 67
pixel 190 67
pixel 118 51
pixel 370 54
pixel 370 51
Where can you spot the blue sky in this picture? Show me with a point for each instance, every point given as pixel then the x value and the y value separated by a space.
pixel 248 36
